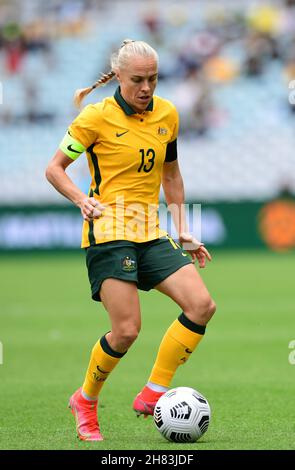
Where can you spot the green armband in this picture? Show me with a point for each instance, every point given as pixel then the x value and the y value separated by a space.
pixel 71 147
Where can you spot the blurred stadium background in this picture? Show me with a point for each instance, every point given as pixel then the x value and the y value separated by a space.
pixel 228 66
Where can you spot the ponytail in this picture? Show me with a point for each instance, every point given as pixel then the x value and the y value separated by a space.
pixel 82 92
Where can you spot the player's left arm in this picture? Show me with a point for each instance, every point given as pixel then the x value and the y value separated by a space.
pixel 173 187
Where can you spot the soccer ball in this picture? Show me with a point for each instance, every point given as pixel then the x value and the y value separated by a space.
pixel 182 415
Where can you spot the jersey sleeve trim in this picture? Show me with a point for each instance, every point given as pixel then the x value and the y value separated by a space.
pixel 71 147
pixel 171 151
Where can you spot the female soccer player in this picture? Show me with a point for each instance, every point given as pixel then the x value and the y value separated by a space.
pixel 131 144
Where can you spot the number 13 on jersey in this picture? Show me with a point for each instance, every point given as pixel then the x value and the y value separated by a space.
pixel 147 160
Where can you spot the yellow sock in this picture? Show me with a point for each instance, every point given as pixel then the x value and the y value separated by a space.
pixel 102 361
pixel 179 341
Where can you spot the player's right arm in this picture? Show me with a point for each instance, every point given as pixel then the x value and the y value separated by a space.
pixel 79 136
pixel 57 176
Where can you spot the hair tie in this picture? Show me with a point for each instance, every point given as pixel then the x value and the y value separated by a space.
pixel 128 41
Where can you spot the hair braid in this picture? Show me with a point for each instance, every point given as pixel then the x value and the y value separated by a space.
pixel 81 93
pixel 104 79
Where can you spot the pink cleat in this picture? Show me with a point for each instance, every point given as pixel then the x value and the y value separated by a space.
pixel 145 402
pixel 85 413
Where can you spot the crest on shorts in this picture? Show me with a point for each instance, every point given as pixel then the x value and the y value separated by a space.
pixel 128 264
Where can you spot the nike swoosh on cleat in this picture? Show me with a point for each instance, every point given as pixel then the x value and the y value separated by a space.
pixel 147 409
pixel 69 147
pixel 122 133
pixel 76 417
pixel 188 351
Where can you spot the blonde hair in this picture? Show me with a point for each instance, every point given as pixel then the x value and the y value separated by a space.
pixel 119 60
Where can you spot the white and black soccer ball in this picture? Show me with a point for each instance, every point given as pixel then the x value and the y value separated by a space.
pixel 182 415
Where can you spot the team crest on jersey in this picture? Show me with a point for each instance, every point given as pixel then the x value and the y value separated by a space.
pixel 162 131
pixel 128 264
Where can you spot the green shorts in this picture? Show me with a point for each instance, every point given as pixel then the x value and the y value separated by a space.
pixel 146 263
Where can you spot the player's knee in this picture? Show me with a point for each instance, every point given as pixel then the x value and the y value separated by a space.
pixel 127 335
pixel 212 308
pixel 208 309
pixel 202 310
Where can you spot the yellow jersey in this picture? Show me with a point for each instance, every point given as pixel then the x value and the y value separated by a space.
pixel 126 152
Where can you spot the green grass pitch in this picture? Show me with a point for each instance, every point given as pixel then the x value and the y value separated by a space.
pixel 48 325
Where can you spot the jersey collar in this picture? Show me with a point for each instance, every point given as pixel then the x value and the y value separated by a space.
pixel 125 106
